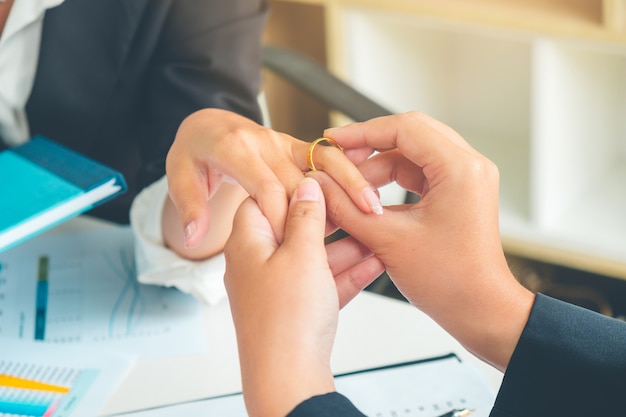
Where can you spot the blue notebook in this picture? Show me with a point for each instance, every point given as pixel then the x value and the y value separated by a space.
pixel 43 183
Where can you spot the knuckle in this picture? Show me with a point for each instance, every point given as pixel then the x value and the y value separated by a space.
pixel 306 210
pixel 273 190
pixel 337 213
pixel 236 138
pixel 414 116
pixel 482 168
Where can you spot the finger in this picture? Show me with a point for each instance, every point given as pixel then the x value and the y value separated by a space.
pixel 391 166
pixel 252 237
pixel 419 137
pixel 300 149
pixel 280 153
pixel 333 161
pixel 330 228
pixel 372 231
pixel 267 170
pixel 269 193
pixel 353 267
pixel 188 189
pixel 344 253
pixel 353 280
pixel 306 221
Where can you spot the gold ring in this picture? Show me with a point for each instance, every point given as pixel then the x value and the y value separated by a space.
pixel 309 152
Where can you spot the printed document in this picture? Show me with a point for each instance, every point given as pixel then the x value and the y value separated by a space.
pixel 81 288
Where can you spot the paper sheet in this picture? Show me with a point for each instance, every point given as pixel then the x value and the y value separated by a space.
pixel 419 389
pixel 91 375
pixel 422 389
pixel 81 287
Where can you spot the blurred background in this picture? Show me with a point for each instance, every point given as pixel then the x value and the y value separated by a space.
pixel 539 86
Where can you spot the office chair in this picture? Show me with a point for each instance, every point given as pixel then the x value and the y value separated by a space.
pixel 317 81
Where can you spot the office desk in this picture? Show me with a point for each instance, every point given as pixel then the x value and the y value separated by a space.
pixel 373 330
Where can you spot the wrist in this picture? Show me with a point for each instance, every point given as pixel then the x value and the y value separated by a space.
pixel 486 315
pixel 276 386
pixel 496 320
pixel 281 366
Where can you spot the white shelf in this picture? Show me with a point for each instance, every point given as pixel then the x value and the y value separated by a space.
pixel 549 110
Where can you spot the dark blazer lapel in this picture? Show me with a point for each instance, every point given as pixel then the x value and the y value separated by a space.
pixel 84 46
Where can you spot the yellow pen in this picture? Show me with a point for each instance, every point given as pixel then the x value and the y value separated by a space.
pixel 10 381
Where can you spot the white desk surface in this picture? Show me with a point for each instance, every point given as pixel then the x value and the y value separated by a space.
pixel 373 330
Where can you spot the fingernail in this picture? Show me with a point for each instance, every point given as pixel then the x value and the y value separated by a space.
pixel 308 190
pixel 190 230
pixel 373 200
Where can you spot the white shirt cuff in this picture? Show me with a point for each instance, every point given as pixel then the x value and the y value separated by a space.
pixel 158 265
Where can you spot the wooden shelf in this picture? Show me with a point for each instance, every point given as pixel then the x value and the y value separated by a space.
pixel 601 19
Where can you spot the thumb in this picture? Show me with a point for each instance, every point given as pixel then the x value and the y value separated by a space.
pixel 252 238
pixel 306 219
pixel 189 192
pixel 194 216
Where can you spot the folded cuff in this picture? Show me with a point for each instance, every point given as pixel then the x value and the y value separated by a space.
pixel 158 265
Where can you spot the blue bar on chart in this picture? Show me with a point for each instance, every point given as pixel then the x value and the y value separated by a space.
pixel 41 305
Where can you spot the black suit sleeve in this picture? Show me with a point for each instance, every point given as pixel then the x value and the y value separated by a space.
pixel 568 362
pixel 331 404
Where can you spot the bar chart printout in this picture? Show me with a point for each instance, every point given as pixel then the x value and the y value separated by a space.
pixel 60 391
pixel 53 386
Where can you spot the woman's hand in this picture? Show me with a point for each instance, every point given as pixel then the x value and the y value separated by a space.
pixel 219 150
pixel 285 298
pixel 444 253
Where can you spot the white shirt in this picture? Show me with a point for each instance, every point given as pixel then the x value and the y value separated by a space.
pixel 19 52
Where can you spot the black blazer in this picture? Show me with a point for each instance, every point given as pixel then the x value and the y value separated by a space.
pixel 116 77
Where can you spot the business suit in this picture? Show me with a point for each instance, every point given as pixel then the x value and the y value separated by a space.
pixel 116 77
pixel 568 362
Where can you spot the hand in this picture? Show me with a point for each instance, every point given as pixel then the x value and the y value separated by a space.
pixel 285 300
pixel 444 252
pixel 213 147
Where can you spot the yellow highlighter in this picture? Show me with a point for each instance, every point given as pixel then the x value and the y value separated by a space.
pixel 9 381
